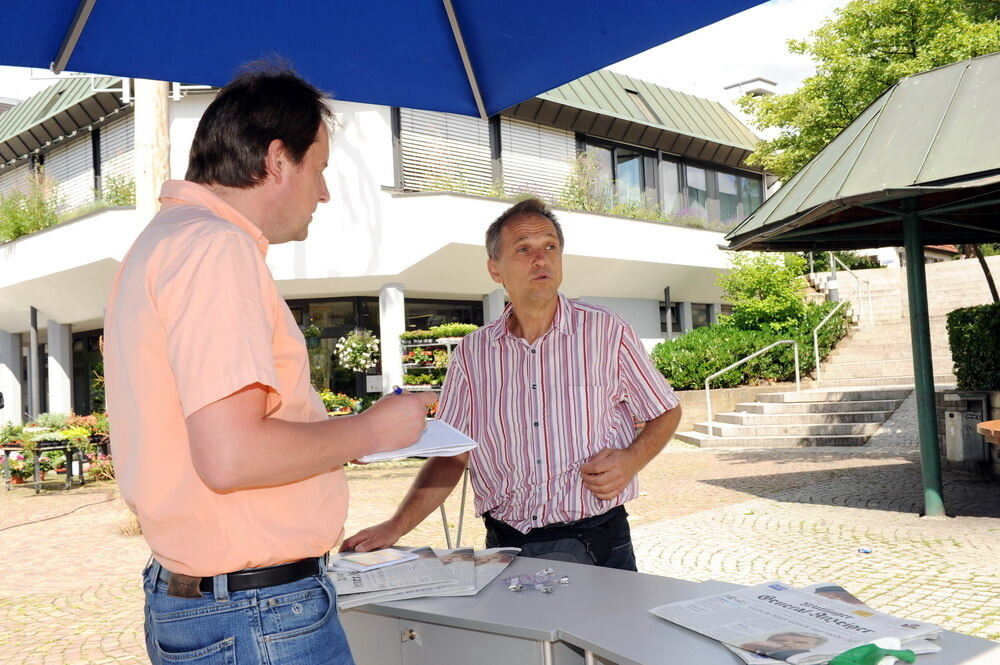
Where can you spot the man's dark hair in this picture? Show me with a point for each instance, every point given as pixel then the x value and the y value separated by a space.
pixel 532 206
pixel 266 101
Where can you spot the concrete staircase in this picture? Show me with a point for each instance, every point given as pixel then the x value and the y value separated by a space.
pixel 815 417
pixel 870 372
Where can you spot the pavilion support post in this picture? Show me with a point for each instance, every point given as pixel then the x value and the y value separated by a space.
pixel 923 370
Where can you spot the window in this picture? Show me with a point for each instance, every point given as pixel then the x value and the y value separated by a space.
pixel 623 175
pixel 729 198
pixel 750 195
pixel 670 189
pixel 675 317
pixel 701 314
pixel 422 314
pixel 697 190
pixel 643 107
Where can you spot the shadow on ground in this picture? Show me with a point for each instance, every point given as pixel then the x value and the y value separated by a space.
pixel 893 487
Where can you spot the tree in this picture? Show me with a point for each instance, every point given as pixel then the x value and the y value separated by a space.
pixel 867 47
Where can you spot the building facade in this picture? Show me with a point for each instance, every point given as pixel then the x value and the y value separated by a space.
pixel 645 181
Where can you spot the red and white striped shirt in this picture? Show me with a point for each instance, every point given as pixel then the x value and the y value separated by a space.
pixel 540 411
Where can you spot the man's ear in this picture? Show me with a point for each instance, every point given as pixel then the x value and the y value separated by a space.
pixel 491 267
pixel 275 161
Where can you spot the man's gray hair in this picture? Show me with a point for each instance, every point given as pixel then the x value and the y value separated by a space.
pixel 532 206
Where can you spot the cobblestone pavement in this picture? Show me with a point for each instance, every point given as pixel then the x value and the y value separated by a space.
pixel 945 571
pixel 69 590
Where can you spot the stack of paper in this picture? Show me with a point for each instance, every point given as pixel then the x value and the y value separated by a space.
pixel 439 440
pixel 453 572
pixel 808 626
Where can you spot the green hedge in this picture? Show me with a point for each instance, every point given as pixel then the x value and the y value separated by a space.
pixel 974 338
pixel 686 361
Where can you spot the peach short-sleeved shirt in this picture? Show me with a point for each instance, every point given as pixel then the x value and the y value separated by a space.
pixel 193 317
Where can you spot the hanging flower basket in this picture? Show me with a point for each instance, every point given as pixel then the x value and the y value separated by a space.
pixel 357 351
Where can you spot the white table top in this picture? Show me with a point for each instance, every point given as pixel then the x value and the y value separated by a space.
pixel 607 612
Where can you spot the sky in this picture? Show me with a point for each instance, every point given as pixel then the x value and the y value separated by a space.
pixel 743 46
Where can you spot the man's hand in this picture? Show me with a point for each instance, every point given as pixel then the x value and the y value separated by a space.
pixel 398 421
pixel 608 472
pixel 373 538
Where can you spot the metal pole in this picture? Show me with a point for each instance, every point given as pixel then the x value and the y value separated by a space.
pixel 923 370
pixel 816 352
pixel 461 508
pixel 444 523
pixel 832 289
pixel 798 386
pixel 708 401
pixel 34 372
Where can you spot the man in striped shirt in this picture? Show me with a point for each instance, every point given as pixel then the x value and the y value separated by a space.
pixel 551 391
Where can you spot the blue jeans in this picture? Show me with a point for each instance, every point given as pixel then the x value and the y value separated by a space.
pixel 294 623
pixel 603 540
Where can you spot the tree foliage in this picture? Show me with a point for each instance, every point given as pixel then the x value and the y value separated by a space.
pixel 765 291
pixel 865 48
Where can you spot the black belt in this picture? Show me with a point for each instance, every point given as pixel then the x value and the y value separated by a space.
pixel 259 578
pixel 245 580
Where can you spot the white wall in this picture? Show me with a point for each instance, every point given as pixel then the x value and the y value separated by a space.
pixel 642 315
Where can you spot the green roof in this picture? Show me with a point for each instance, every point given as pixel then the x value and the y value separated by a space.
pixel 606 92
pixel 59 110
pixel 931 141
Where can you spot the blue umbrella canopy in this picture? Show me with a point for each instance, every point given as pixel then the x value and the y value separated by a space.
pixel 475 57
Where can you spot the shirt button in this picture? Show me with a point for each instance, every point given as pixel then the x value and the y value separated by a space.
pixel 534 517
pixel 538 461
pixel 536 423
pixel 533 350
pixel 534 386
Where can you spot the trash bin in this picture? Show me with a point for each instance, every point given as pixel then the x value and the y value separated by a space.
pixel 964 445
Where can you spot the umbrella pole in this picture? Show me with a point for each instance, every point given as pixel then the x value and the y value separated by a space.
pixel 923 371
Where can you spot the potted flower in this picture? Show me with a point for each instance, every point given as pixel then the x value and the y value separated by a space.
pixel 452 332
pixel 338 404
pixel 20 468
pixel 312 334
pixel 358 350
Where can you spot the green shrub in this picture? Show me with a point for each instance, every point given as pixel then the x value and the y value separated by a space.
pixel 23 213
pixel 974 338
pixel 118 191
pixel 686 361
pixel 765 291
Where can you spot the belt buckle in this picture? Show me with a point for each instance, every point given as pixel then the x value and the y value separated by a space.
pixel 183 586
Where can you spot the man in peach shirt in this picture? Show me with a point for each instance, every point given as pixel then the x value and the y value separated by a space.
pixel 222 448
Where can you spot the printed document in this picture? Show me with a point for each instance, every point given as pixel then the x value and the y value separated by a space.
pixel 439 440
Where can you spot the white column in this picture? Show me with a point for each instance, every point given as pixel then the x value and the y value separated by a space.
pixel 686 324
pixel 60 370
pixel 152 145
pixel 392 323
pixel 493 304
pixel 714 313
pixel 10 378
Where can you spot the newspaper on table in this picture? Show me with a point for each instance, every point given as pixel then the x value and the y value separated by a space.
pixel 491 562
pixel 428 575
pixel 461 563
pixel 840 595
pixel 439 440
pixel 801 626
pixel 423 574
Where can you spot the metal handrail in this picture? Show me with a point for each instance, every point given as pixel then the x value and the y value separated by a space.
pixel 866 293
pixel 823 323
pixel 708 393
